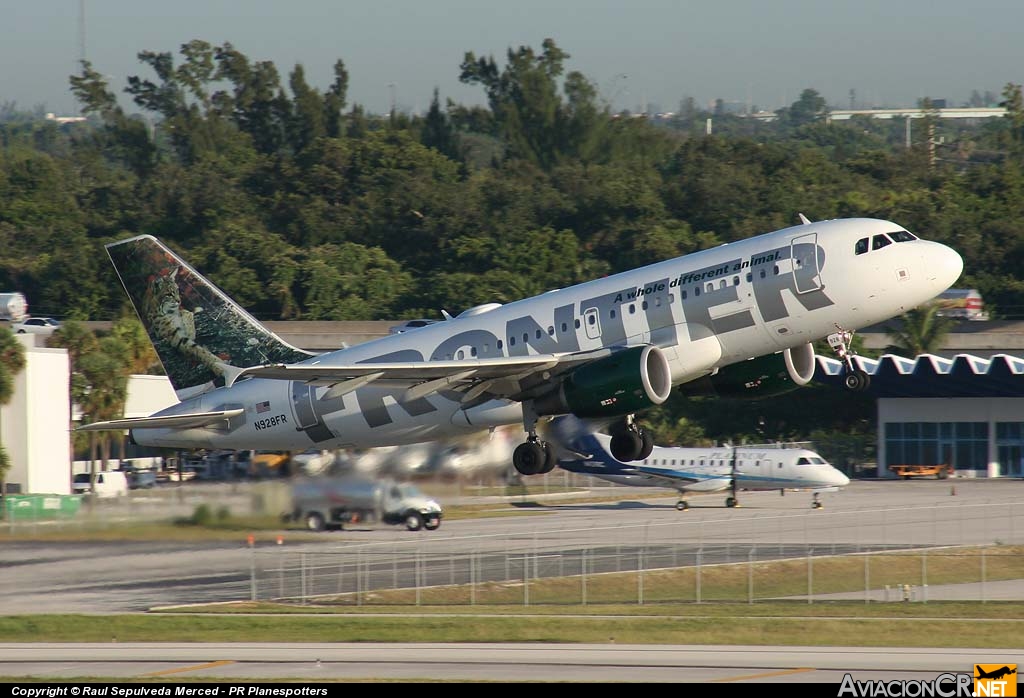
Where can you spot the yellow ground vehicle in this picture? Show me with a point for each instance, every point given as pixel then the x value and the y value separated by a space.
pixel 941 471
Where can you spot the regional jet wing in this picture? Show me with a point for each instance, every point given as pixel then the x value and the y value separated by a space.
pixel 170 421
pixel 506 377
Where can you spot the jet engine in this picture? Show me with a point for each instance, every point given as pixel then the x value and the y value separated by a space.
pixel 762 376
pixel 625 382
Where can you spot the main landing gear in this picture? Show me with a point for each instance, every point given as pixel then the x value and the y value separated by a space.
pixel 854 378
pixel 629 441
pixel 534 457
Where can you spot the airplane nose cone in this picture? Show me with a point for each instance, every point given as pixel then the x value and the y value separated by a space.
pixel 946 265
pixel 841 480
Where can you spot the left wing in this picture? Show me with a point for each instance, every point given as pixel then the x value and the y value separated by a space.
pixel 515 377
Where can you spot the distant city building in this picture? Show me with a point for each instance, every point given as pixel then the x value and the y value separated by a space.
pixel 50 116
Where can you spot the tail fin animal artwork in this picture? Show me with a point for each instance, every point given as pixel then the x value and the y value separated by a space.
pixel 201 336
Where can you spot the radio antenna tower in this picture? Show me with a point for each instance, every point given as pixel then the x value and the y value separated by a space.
pixel 81 34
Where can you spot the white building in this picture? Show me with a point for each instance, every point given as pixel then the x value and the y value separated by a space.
pixel 34 425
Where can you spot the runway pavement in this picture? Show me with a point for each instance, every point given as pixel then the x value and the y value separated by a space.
pixel 97 576
pixel 504 662
pixel 105 577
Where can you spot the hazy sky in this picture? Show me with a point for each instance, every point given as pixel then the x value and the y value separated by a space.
pixel 892 52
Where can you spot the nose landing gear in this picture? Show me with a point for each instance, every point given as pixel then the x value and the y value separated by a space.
pixel 854 378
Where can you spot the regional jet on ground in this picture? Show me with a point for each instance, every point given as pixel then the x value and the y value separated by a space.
pixel 778 467
pixel 741 317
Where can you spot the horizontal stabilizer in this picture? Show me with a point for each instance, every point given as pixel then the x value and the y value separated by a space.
pixel 170 421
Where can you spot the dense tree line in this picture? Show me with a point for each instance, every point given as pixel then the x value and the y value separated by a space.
pixel 302 205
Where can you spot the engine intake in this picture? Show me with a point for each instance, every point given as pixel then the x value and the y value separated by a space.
pixel 629 380
pixel 763 376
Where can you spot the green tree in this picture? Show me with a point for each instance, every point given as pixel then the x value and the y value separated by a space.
pixel 101 385
pixel 12 361
pixel 1013 102
pixel 534 122
pixel 437 131
pixel 919 331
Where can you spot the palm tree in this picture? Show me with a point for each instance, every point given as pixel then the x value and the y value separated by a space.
pixel 12 361
pixel 921 331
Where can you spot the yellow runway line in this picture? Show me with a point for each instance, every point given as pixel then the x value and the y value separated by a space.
pixel 751 677
pixel 207 665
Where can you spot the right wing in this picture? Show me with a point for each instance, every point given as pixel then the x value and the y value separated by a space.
pixel 170 421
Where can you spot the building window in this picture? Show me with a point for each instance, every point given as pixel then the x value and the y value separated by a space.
pixel 964 445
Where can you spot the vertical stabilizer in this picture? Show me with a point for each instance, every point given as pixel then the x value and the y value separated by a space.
pixel 199 333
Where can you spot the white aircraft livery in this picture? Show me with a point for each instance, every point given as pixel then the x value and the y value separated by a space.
pixel 755 467
pixel 740 318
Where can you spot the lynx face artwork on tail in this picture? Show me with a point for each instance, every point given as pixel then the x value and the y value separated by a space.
pixel 198 332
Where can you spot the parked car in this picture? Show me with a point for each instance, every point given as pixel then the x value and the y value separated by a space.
pixel 139 479
pixel 35 325
pixel 110 483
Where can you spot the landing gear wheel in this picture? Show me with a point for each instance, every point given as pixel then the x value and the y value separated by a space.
pixel 647 445
pixel 432 524
pixel 857 380
pixel 731 502
pixel 549 458
pixel 626 446
pixel 529 458
pixel 682 505
pixel 413 521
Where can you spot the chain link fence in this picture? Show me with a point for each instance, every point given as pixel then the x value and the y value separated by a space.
pixel 844 556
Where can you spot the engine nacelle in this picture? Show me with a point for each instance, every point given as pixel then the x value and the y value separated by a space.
pixel 629 380
pixel 763 376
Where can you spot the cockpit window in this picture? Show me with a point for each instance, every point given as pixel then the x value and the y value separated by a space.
pixel 862 246
pixel 880 241
pixel 902 236
pixel 803 461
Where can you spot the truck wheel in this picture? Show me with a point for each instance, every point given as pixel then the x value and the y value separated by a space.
pixel 314 521
pixel 432 524
pixel 413 521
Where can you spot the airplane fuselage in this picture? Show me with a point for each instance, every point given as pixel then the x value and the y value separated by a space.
pixel 712 469
pixel 705 310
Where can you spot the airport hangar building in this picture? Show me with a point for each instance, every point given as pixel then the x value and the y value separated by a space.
pixel 965 411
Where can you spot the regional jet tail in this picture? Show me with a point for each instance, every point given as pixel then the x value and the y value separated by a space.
pixel 584 450
pixel 739 319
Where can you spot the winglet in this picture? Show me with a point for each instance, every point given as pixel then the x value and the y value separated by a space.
pixel 803 219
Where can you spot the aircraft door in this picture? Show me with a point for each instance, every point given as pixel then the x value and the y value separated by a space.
pixel 303 395
pixel 804 254
pixel 592 323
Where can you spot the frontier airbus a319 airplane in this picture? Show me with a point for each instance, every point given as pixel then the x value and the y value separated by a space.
pixel 739 319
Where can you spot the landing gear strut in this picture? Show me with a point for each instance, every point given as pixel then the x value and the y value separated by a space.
pixel 630 442
pixel 841 342
pixel 816 501
pixel 534 457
